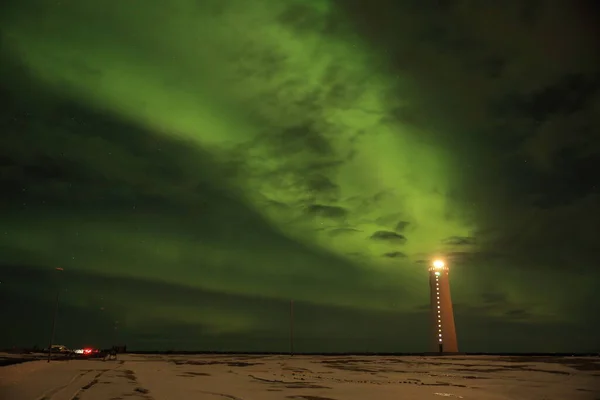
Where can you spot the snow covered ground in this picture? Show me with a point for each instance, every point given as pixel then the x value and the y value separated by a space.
pixel 255 377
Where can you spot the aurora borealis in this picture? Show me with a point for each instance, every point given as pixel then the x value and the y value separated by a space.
pixel 195 165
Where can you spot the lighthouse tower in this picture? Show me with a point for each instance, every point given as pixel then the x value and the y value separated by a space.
pixel 443 331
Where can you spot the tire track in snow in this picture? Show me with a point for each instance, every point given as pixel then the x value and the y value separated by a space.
pixel 227 396
pixel 90 384
pixel 61 392
pixel 49 395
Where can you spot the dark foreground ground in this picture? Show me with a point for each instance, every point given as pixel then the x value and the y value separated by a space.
pixel 266 377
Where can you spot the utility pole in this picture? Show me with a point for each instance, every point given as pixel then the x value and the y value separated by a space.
pixel 291 327
pixel 116 334
pixel 53 326
pixel 54 320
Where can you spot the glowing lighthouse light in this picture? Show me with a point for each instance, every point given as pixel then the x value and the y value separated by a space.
pixel 438 264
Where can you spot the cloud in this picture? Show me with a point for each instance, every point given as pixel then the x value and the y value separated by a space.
pixel 401 226
pixel 459 241
pixel 326 211
pixel 395 254
pixel 323 186
pixel 388 236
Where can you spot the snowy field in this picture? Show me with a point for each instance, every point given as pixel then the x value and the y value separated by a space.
pixel 255 377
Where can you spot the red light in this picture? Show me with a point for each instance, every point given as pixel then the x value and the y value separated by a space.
pixel 87 351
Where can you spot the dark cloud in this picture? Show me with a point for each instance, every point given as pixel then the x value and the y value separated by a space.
pixel 401 226
pixel 395 254
pixel 388 236
pixel 459 240
pixel 321 183
pixel 302 138
pixel 326 211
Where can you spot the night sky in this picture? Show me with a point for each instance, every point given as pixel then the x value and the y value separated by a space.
pixel 195 165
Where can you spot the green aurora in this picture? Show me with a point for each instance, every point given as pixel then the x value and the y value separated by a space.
pixel 214 160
